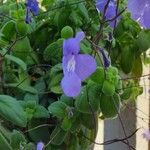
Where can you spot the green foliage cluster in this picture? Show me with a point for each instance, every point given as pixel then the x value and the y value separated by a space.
pixel 33 107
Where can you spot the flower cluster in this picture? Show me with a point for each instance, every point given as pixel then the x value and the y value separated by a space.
pixel 31 7
pixel 110 11
pixel 140 10
pixel 76 67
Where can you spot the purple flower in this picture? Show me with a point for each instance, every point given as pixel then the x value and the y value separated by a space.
pixel 111 9
pixel 140 10
pixel 146 134
pixel 31 6
pixel 40 146
pixel 76 67
pixel 28 17
pixel 105 59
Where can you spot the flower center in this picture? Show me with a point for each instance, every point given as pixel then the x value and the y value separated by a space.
pixel 71 64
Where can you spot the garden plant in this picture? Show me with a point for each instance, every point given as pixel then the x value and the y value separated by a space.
pixel 64 64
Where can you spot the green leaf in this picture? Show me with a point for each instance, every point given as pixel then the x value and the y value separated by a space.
pixel 23 83
pixel 85 143
pixel 88 100
pixel 31 97
pixel 29 107
pixel 127 54
pixel 30 146
pixel 16 139
pixel 89 120
pixel 83 11
pixel 110 105
pixel 5 132
pixel 127 24
pixel 108 88
pixel 137 68
pixel 21 28
pixel 4 145
pixel 66 124
pixel 8 30
pixel 98 76
pixel 11 109
pixel 41 112
pixel 126 93
pixel 22 87
pixel 58 109
pixel 75 18
pixel 58 136
pixel 38 132
pixel 67 100
pixel 47 2
pixel 55 79
pixel 53 52
pixel 22 49
pixel 143 40
pixel 18 61
pixel 3 42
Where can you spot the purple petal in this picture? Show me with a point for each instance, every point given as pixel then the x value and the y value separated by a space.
pixel 105 59
pixel 146 134
pixel 111 9
pixel 110 12
pixel 85 65
pixel 71 46
pixel 80 36
pixel 140 10
pixel 28 17
pixel 40 146
pixel 33 5
pixel 146 16
pixel 66 59
pixel 100 5
pixel 71 84
pixel 136 8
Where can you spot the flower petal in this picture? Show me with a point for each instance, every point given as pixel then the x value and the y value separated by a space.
pixel 71 84
pixel 146 18
pixel 65 62
pixel 28 17
pixel 136 8
pixel 100 5
pixel 106 61
pixel 140 11
pixel 110 11
pixel 80 36
pixel 40 146
pixel 71 46
pixel 85 65
pixel 33 5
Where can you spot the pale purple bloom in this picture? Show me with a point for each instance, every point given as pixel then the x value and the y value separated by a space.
pixel 111 9
pixel 146 134
pixel 76 67
pixel 140 10
pixel 40 146
pixel 31 7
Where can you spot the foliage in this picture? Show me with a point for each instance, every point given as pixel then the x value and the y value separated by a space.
pixel 32 100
